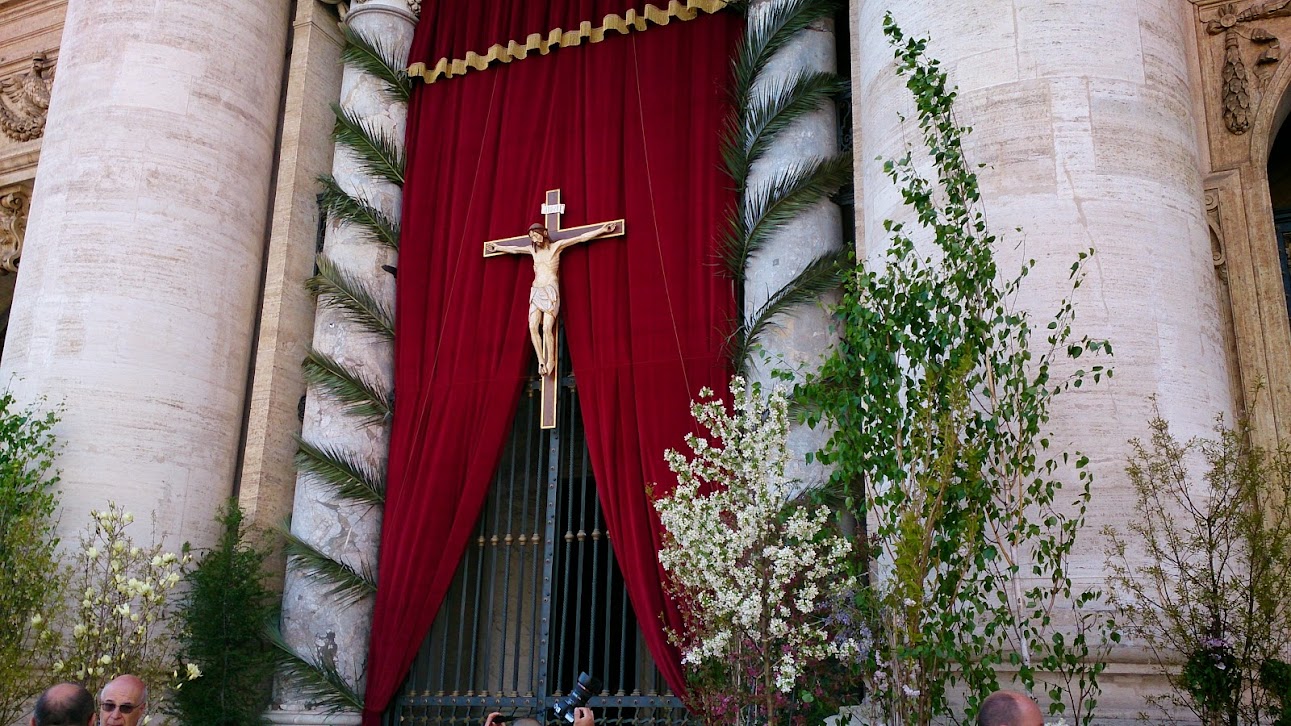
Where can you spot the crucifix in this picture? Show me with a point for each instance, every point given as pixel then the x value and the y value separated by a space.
pixel 544 243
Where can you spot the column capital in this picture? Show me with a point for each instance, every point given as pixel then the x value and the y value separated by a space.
pixel 406 11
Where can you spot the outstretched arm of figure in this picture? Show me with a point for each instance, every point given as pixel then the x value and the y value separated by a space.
pixel 601 231
pixel 493 248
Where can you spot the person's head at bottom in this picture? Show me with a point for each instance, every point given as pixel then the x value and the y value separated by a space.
pixel 582 717
pixel 1008 708
pixel 123 701
pixel 66 704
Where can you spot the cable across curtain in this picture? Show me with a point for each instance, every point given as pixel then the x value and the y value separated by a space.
pixel 626 128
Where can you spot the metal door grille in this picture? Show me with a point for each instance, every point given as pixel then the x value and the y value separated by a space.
pixel 537 598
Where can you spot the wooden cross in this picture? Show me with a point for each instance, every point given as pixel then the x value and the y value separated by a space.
pixel 552 209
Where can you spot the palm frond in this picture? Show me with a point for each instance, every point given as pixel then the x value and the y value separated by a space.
pixel 769 30
pixel 759 117
pixel 357 211
pixel 377 58
pixel 787 101
pixel 347 475
pixel 822 275
pixel 359 395
pixel 353 297
pixel 770 206
pixel 342 581
pixel 377 150
pixel 320 683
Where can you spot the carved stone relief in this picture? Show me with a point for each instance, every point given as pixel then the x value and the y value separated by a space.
pixel 24 100
pixel 14 205
pixel 1242 40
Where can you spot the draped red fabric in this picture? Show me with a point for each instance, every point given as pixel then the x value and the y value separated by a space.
pixel 627 128
pixel 450 29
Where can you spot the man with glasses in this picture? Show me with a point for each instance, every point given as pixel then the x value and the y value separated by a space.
pixel 123 701
pixel 66 704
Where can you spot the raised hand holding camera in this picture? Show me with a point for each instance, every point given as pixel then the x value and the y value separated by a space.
pixel 584 689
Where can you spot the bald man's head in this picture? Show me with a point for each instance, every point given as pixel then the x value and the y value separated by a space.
pixel 1007 708
pixel 66 704
pixel 123 701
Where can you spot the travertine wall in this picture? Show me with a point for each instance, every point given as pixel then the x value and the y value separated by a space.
pixel 141 274
pixel 1083 113
pixel 268 477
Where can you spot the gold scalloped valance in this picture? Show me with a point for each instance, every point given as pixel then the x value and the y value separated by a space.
pixel 559 38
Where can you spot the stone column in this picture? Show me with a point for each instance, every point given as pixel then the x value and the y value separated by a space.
pixel 801 339
pixel 141 266
pixel 1083 115
pixel 312 622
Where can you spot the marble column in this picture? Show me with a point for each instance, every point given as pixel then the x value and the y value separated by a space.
pixel 312 622
pixel 141 265
pixel 800 339
pixel 1084 119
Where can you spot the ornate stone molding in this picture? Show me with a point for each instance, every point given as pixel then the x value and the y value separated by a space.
pixel 1237 25
pixel 1218 255
pixel 14 205
pixel 24 100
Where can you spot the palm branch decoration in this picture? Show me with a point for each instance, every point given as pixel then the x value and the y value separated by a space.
pixel 350 479
pixel 317 680
pixel 357 212
pixel 348 476
pixel 356 299
pixel 764 208
pixel 357 393
pixel 347 583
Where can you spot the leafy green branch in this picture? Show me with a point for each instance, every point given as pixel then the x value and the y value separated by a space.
pixel 937 400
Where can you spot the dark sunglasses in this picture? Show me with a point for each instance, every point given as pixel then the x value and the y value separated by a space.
pixel 124 708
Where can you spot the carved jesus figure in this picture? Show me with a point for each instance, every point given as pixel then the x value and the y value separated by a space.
pixel 544 296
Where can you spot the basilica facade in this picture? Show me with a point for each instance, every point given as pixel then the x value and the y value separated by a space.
pixel 160 216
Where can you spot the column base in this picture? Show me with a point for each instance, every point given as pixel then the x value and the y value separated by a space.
pixel 279 717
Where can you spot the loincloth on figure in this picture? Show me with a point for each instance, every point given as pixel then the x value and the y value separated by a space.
pixel 545 298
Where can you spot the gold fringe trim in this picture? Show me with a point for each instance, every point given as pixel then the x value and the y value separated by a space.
pixel 559 38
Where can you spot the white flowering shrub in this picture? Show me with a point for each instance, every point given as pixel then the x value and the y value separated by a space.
pixel 751 568
pixel 119 617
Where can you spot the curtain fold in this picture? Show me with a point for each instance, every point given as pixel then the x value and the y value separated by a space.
pixel 450 33
pixel 627 128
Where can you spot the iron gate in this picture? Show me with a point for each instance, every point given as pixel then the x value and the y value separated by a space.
pixel 537 598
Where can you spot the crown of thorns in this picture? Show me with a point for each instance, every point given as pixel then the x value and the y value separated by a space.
pixel 535 227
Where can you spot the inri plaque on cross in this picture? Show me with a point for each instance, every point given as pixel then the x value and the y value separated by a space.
pixel 544 243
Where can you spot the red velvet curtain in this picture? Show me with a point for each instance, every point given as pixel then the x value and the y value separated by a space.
pixel 627 128
pixel 452 29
